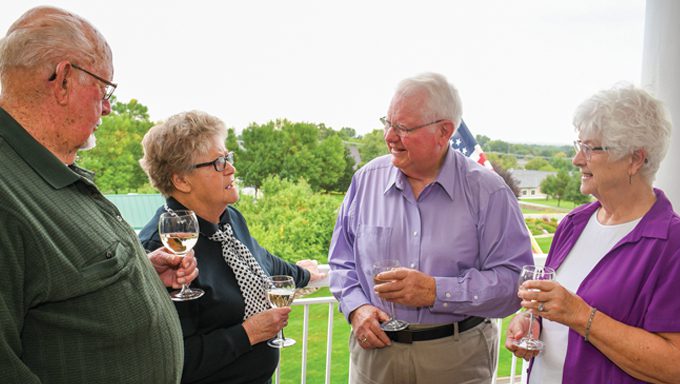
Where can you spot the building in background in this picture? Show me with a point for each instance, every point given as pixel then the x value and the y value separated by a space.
pixel 529 182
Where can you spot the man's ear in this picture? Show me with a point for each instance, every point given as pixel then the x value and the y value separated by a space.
pixel 181 183
pixel 62 82
pixel 446 129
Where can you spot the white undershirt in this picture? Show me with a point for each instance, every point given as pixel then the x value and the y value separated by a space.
pixel 593 244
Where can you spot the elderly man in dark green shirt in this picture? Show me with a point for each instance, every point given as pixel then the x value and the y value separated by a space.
pixel 80 301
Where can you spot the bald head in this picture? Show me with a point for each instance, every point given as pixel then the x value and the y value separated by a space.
pixel 44 36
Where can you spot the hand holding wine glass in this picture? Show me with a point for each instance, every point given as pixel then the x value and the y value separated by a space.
pixel 178 231
pixel 280 293
pixel 531 272
pixel 386 265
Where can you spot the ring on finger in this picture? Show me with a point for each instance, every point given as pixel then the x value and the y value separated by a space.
pixel 541 307
pixel 363 339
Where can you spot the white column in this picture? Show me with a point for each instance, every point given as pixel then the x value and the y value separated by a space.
pixel 661 76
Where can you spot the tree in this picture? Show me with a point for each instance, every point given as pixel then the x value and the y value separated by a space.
pixel 574 189
pixel 372 145
pixel 115 158
pixel 504 161
pixel 556 186
pixel 291 151
pixel 539 164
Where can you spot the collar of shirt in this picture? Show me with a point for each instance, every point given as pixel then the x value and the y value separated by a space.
pixel 445 178
pixel 205 227
pixel 654 224
pixel 43 162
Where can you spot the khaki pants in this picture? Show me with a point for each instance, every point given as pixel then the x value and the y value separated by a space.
pixel 465 358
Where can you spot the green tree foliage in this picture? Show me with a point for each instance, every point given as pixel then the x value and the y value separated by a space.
pixel 574 189
pixel 504 161
pixel 556 186
pixel 115 158
pixel 291 220
pixel 371 146
pixel 291 151
pixel 539 164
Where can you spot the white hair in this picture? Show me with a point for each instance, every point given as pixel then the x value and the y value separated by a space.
pixel 443 101
pixel 626 119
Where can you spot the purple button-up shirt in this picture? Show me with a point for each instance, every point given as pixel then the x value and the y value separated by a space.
pixel 636 282
pixel 465 229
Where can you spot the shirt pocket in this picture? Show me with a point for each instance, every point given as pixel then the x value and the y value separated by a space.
pixel 107 264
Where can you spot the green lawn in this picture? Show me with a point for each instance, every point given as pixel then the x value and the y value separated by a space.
pixel 563 206
pixel 316 355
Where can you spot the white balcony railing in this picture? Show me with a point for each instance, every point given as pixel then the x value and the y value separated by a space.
pixel 331 303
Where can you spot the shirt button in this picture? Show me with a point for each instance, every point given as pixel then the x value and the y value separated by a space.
pixel 109 254
pixel 448 294
pixel 446 305
pixel 476 297
pixel 413 265
pixel 415 233
pixel 119 217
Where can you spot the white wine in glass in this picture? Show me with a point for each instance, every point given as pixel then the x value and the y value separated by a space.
pixel 533 272
pixel 392 324
pixel 280 293
pixel 179 233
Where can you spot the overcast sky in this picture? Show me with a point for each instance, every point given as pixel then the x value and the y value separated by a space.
pixel 521 66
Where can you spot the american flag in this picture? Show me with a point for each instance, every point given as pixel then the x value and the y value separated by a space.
pixel 463 142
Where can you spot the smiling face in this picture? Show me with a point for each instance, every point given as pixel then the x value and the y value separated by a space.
pixel 600 175
pixel 419 153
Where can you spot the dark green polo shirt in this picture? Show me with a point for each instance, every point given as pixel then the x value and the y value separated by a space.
pixel 79 299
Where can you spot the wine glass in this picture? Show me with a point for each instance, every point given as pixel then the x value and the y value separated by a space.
pixel 533 272
pixel 280 294
pixel 392 324
pixel 179 233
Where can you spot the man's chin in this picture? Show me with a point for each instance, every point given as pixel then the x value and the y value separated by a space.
pixel 90 143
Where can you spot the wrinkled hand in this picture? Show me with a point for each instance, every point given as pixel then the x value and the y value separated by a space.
pixel 266 324
pixel 313 267
pixel 518 328
pixel 172 269
pixel 407 287
pixel 559 304
pixel 366 327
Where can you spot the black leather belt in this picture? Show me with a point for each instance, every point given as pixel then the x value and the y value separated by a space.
pixel 411 335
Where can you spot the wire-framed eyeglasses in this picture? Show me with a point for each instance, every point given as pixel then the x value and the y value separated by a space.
pixel 109 87
pixel 219 164
pixel 587 150
pixel 402 131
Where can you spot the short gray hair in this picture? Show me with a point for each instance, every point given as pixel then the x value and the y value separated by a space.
pixel 443 100
pixel 44 36
pixel 626 119
pixel 172 146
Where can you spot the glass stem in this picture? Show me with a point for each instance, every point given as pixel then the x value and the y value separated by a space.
pixel 531 326
pixel 185 289
pixel 392 317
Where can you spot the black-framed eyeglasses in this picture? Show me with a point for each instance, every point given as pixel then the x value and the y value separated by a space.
pixel 219 164
pixel 108 89
pixel 587 149
pixel 402 131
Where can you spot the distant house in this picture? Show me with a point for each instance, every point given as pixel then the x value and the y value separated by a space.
pixel 529 182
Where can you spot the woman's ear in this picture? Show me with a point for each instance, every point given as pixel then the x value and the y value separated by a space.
pixel 637 160
pixel 181 183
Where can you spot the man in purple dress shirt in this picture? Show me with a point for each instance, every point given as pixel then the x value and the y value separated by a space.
pixel 457 232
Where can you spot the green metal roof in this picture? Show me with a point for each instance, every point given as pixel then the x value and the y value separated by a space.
pixel 137 209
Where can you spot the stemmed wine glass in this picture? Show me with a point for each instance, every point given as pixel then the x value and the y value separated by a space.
pixel 179 233
pixel 532 272
pixel 280 293
pixel 385 265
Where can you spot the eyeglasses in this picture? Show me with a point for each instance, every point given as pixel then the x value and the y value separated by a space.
pixel 110 87
pixel 402 131
pixel 587 149
pixel 219 164
pixel 108 90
